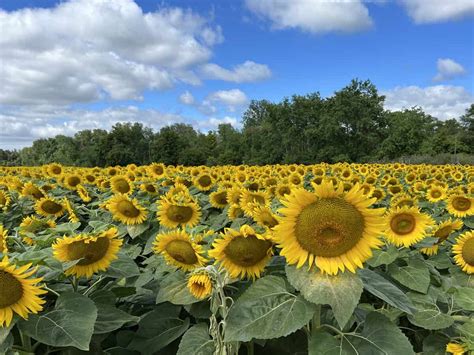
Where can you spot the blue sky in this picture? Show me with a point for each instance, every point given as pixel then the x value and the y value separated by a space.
pixel 88 64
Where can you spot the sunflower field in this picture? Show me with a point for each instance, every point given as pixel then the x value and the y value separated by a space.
pixel 283 259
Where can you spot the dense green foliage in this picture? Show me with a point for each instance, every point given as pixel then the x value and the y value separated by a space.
pixel 352 125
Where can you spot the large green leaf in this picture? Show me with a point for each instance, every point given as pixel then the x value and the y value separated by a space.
pixel 110 318
pixel 428 315
pixel 267 309
pixel 385 290
pixel 135 230
pixel 379 337
pixel 174 289
pixel 383 257
pixel 464 298
pixel 196 341
pixel 123 267
pixel 415 275
pixel 341 292
pixel 71 323
pixel 435 344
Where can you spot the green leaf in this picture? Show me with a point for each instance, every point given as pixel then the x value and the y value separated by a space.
pixel 196 341
pixel 467 332
pixel 341 292
pixel 122 267
pixel 110 318
pixel 158 329
pixel 435 344
pixel 415 276
pixel 138 229
pixel 174 289
pixel 383 257
pixel 6 338
pixel 461 278
pixel 464 298
pixel 469 222
pixel 71 323
pixel 440 261
pixel 267 310
pixel 428 315
pixel 323 343
pixel 385 290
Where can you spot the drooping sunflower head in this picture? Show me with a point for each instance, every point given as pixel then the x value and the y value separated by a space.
pixel 264 216
pixel 460 205
pixel 3 240
pixel 18 292
pixel 253 199
pixel 200 285
pixel 83 193
pixel 31 190
pixel 4 200
pixel 181 210
pixel 242 253
pixel 125 210
pixel 464 252
pixel 121 184
pixel 218 199
pixel 405 226
pixel 431 250
pixel 443 230
pixel 33 225
pixel 94 252
pixel 329 228
pixel 179 249
pixel 49 207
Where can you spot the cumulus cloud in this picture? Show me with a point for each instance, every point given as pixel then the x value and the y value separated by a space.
pixel 430 11
pixel 314 16
pixel 87 50
pixel 186 98
pixel 246 72
pixel 230 98
pixel 448 69
pixel 441 101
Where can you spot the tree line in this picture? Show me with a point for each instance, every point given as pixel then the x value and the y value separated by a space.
pixel 352 126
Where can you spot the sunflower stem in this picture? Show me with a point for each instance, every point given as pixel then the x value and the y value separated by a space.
pixel 25 342
pixel 250 348
pixel 316 323
pixel 74 283
pixel 50 290
pixel 91 287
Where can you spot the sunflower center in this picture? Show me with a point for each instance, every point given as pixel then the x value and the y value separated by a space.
pixel 247 251
pixel 443 233
pixel 436 194
pixel 403 223
pixel 150 188
pixel 205 181
pixel 284 190
pixel 182 251
pixel 51 207
pixel 56 170
pixel 461 204
pixel 128 209
pixel 468 251
pixel 329 227
pixel 11 289
pixel 88 253
pixel 221 198
pixel 122 186
pixel 180 214
pixel 73 181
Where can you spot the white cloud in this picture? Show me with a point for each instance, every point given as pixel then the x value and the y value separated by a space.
pixel 448 69
pixel 231 98
pixel 187 98
pixel 315 16
pixel 87 50
pixel 213 123
pixel 429 11
pixel 246 72
pixel 441 101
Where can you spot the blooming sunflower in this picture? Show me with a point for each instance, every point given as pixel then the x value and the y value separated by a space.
pixel 180 210
pixel 149 188
pixel 3 240
pixel 218 199
pixel 34 225
pixel 460 205
pixel 264 216
pixel 49 207
pixel 126 210
pixel 121 185
pixel 55 170
pixel 203 181
pixel 405 226
pixel 31 190
pixel 444 229
pixel 94 252
pixel 253 199
pixel 18 293
pixel 157 171
pixel 71 181
pixel 329 228
pixel 242 253
pixel 200 285
pixel 464 252
pixel 179 249
pixel 436 193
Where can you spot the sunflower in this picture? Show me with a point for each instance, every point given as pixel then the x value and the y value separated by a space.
pixel 264 216
pixel 460 205
pixel 235 211
pixel 242 253
pixel 252 199
pixel 179 249
pixel 149 188
pixel 94 252
pixel 329 228
pixel 125 210
pixel 203 182
pixel 49 207
pixel 31 190
pixel 464 252
pixel 157 171
pixel 178 211
pixel 4 200
pixel 405 226
pixel 33 225
pixel 282 190
pixel 402 200
pixel 71 181
pixel 436 193
pixel 200 285
pixel 18 293
pixel 121 185
pixel 218 199
pixel 83 193
pixel 54 170
pixel 3 240
pixel 72 216
pixel 444 229
pixel 432 250
pixel 455 349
